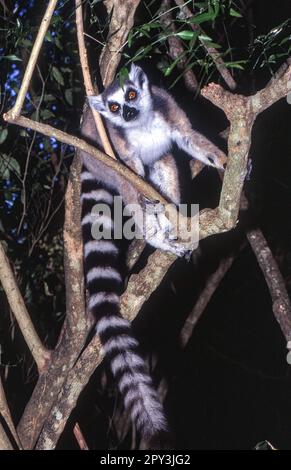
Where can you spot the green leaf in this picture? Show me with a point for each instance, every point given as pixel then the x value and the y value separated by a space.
pixel 186 35
pixel 11 57
pixel 235 65
pixel 142 52
pixel 130 36
pixel 208 41
pixel 3 135
pixel 169 69
pixel 14 165
pixel 46 114
pixel 49 37
pixel 123 75
pixel 58 43
pixel 26 42
pixel 49 97
pixel 66 69
pixel 203 17
pixel 234 13
pixel 69 96
pixel 204 37
pixel 285 40
pixel 4 169
pixel 216 7
pixel 58 75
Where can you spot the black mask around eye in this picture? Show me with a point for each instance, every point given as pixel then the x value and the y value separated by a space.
pixel 129 113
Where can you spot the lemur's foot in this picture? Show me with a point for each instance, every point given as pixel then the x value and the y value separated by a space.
pixel 160 233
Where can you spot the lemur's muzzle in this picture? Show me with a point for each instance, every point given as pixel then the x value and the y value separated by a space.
pixel 129 112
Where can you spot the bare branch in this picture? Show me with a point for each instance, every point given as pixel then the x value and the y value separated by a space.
pixel 5 443
pixel 176 49
pixel 121 22
pixel 212 284
pixel 17 305
pixel 16 110
pixel 76 325
pixel 87 79
pixel 141 285
pixel 274 280
pixel 127 173
pixel 80 438
pixel 77 379
pixel 5 413
pixel 241 112
pixel 276 89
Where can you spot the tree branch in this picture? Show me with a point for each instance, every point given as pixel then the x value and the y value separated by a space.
pixel 176 48
pixel 75 329
pixel 5 413
pixel 212 284
pixel 87 79
pixel 279 295
pixel 80 438
pixel 5 443
pixel 16 110
pixel 241 112
pixel 40 354
pixel 122 16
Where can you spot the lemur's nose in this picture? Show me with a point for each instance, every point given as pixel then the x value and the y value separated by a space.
pixel 129 112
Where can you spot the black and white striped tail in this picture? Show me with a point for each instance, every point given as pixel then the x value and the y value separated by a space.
pixel 105 284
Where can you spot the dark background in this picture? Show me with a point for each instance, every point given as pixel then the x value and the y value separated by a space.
pixel 230 388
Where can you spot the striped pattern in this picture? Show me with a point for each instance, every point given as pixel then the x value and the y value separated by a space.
pixel 105 284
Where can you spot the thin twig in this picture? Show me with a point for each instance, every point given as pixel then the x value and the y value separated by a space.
pixel 80 438
pixel 16 110
pixel 212 284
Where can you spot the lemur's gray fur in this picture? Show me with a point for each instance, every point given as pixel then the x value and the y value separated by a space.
pixel 143 122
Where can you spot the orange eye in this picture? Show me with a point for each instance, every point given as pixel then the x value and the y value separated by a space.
pixel 132 95
pixel 114 107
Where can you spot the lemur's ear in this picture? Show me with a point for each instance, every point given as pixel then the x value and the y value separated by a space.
pixel 97 103
pixel 138 76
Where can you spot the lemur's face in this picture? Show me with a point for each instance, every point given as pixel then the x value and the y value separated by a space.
pixel 126 106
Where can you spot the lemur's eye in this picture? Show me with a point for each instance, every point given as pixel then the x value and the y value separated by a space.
pixel 114 107
pixel 132 95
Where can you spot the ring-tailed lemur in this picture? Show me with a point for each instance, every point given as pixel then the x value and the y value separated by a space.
pixel 143 122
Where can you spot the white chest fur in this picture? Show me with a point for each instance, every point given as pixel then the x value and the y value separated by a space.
pixel 150 141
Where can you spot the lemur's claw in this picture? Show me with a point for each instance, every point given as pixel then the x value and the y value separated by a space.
pixel 147 203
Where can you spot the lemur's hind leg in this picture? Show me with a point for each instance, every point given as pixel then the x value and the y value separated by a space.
pixel 164 176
